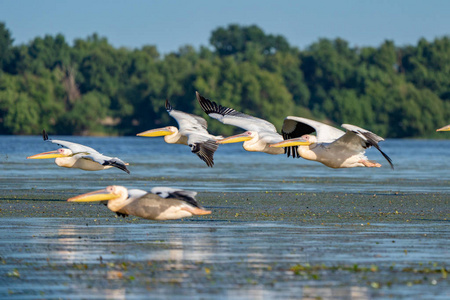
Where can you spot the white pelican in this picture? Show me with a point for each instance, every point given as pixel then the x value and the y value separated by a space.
pixel 445 128
pixel 332 147
pixel 79 156
pixel 259 135
pixel 161 203
pixel 192 132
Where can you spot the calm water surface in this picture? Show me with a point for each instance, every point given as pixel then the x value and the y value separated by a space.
pixel 420 166
pixel 105 257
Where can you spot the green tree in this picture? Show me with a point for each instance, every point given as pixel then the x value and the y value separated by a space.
pixel 5 46
pixel 235 39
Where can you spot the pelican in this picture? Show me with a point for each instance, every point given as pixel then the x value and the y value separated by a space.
pixel 192 132
pixel 79 156
pixel 260 133
pixel 445 128
pixel 331 146
pixel 161 203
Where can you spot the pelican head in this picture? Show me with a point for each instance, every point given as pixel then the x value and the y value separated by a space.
pixel 304 140
pixel 445 128
pixel 159 132
pixel 243 137
pixel 112 192
pixel 61 152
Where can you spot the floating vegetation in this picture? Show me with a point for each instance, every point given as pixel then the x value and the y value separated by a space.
pixel 316 272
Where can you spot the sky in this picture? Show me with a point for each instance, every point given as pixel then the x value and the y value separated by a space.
pixel 170 25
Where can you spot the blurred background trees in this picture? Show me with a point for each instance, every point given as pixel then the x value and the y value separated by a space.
pixel 91 87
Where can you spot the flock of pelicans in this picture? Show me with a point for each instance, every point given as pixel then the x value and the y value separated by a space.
pixel 330 146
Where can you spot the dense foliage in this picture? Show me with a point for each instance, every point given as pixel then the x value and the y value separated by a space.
pixel 93 88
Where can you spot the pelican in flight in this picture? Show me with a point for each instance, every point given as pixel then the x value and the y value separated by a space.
pixel 331 146
pixel 445 128
pixel 192 132
pixel 260 133
pixel 161 203
pixel 79 156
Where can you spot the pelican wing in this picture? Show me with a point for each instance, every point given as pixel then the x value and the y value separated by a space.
pixel 132 193
pixel 187 121
pixel 294 127
pixel 136 193
pixel 166 192
pixel 74 147
pixel 230 116
pixel 106 161
pixel 89 153
pixel 203 146
pixel 360 138
pixel 270 137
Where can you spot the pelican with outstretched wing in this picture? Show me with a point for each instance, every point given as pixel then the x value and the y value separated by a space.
pixel 161 203
pixel 192 131
pixel 79 156
pixel 445 128
pixel 260 133
pixel 330 146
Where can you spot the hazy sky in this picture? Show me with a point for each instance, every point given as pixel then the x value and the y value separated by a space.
pixel 171 24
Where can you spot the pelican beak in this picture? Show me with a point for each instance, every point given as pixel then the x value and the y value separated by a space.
pixel 235 139
pixel 445 128
pixel 156 132
pixel 100 195
pixel 291 142
pixel 50 154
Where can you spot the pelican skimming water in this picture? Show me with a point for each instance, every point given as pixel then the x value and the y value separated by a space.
pixel 331 146
pixel 161 203
pixel 192 132
pixel 79 156
pixel 260 133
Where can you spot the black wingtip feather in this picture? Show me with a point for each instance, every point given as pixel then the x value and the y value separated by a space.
pixel 44 135
pixel 291 150
pixel 209 106
pixel 183 196
pixel 387 157
pixel 117 165
pixel 371 141
pixel 168 106
pixel 205 152
pixel 121 214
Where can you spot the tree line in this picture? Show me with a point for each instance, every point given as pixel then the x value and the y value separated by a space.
pixel 91 87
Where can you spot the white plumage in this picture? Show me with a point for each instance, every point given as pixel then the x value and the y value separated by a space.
pixel 160 203
pixel 79 156
pixel 331 146
pixel 260 133
pixel 192 131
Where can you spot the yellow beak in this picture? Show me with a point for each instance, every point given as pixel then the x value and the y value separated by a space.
pixel 50 154
pixel 445 128
pixel 100 195
pixel 235 139
pixel 291 142
pixel 155 132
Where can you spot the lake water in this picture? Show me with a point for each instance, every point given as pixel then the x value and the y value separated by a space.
pixel 420 166
pixel 252 243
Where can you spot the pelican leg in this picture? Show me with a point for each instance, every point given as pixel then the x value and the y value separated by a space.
pixel 370 163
